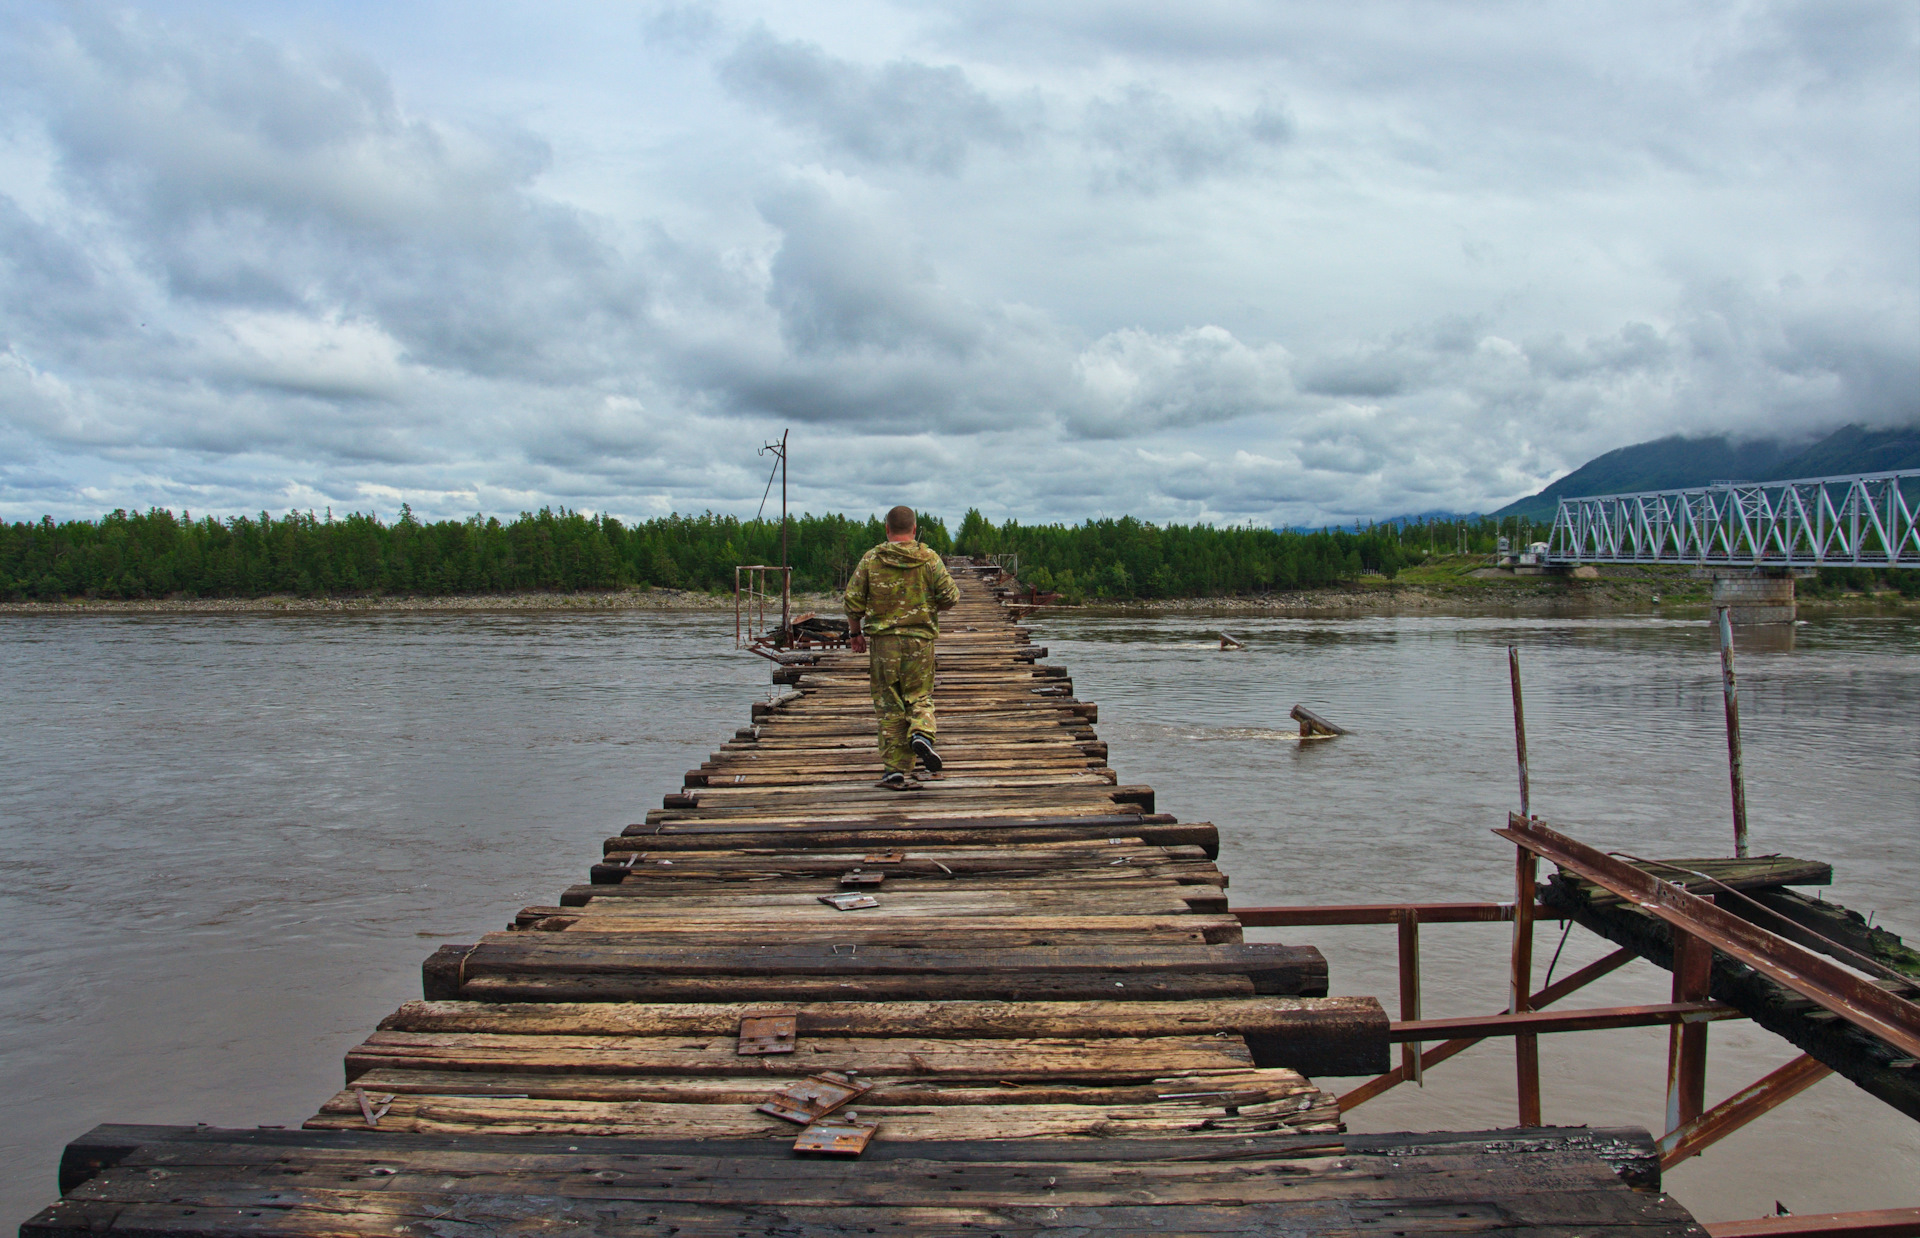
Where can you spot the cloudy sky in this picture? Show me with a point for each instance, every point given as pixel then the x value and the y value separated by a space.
pixel 1218 260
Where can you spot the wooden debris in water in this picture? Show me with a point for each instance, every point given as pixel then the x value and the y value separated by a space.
pixel 1313 726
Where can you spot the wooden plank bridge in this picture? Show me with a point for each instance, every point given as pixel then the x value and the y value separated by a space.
pixel 1047 1020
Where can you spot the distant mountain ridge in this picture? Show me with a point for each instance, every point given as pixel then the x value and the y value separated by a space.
pixel 1675 462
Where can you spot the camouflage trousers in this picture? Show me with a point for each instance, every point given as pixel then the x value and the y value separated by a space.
pixel 901 676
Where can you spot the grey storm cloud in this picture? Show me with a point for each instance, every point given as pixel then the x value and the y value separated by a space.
pixel 249 179
pixel 1283 262
pixel 1144 140
pixel 926 116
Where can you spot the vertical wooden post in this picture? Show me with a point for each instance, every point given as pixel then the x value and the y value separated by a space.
pixel 1687 1042
pixel 1409 921
pixel 1520 731
pixel 1730 689
pixel 1526 1047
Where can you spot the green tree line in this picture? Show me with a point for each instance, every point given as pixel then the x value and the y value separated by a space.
pixel 1128 558
pixel 158 554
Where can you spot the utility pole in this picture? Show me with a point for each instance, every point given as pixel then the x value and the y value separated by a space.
pixel 786 574
pixel 779 452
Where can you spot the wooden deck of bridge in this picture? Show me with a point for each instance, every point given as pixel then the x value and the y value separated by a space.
pixel 1057 1017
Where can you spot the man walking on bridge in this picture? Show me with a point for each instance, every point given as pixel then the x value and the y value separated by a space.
pixel 893 615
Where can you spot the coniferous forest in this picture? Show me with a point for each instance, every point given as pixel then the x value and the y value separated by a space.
pixel 157 554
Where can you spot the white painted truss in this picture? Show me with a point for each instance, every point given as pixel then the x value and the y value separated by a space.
pixel 1861 521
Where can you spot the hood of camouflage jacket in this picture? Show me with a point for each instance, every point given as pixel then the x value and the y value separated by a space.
pixel 905 554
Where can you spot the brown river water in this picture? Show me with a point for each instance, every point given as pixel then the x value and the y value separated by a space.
pixel 227 841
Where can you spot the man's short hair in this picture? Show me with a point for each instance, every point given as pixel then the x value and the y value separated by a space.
pixel 900 520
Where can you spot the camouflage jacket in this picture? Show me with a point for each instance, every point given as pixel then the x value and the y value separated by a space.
pixel 900 588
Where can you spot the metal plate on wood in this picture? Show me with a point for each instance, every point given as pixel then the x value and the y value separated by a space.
pixel 850 902
pixel 884 857
pixel 858 878
pixel 767 1033
pixel 836 1138
pixel 816 1096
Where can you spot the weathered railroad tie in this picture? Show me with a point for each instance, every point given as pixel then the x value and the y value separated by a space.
pixel 1048 1010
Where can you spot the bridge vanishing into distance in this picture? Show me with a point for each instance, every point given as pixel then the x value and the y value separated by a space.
pixel 1866 520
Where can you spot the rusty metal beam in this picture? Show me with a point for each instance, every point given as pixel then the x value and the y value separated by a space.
pixel 1452 1048
pixel 1893 1019
pixel 1879 1223
pixel 1386 913
pixel 1542 1022
pixel 1526 1045
pixel 1739 1109
pixel 1687 1042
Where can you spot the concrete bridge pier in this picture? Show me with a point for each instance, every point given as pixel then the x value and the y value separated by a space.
pixel 1751 597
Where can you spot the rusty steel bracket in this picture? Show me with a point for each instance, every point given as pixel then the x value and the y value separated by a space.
pixel 850 902
pixel 1693 1137
pixel 884 857
pixel 812 1098
pixel 839 1137
pixel 1874 1010
pixel 858 878
pixel 763 1034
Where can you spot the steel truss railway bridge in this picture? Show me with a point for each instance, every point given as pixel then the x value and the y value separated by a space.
pixel 1866 520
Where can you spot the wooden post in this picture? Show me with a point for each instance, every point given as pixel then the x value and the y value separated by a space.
pixel 1687 1042
pixel 1526 1047
pixel 1730 689
pixel 1409 922
pixel 1519 730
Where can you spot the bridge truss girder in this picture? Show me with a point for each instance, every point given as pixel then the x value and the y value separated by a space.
pixel 1865 520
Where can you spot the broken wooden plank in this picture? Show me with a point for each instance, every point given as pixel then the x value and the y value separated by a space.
pixel 201 1181
pixel 610 966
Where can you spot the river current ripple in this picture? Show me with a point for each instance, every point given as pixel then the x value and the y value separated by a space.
pixel 227 841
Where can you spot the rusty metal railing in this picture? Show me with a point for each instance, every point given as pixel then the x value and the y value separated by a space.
pixel 1699 928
